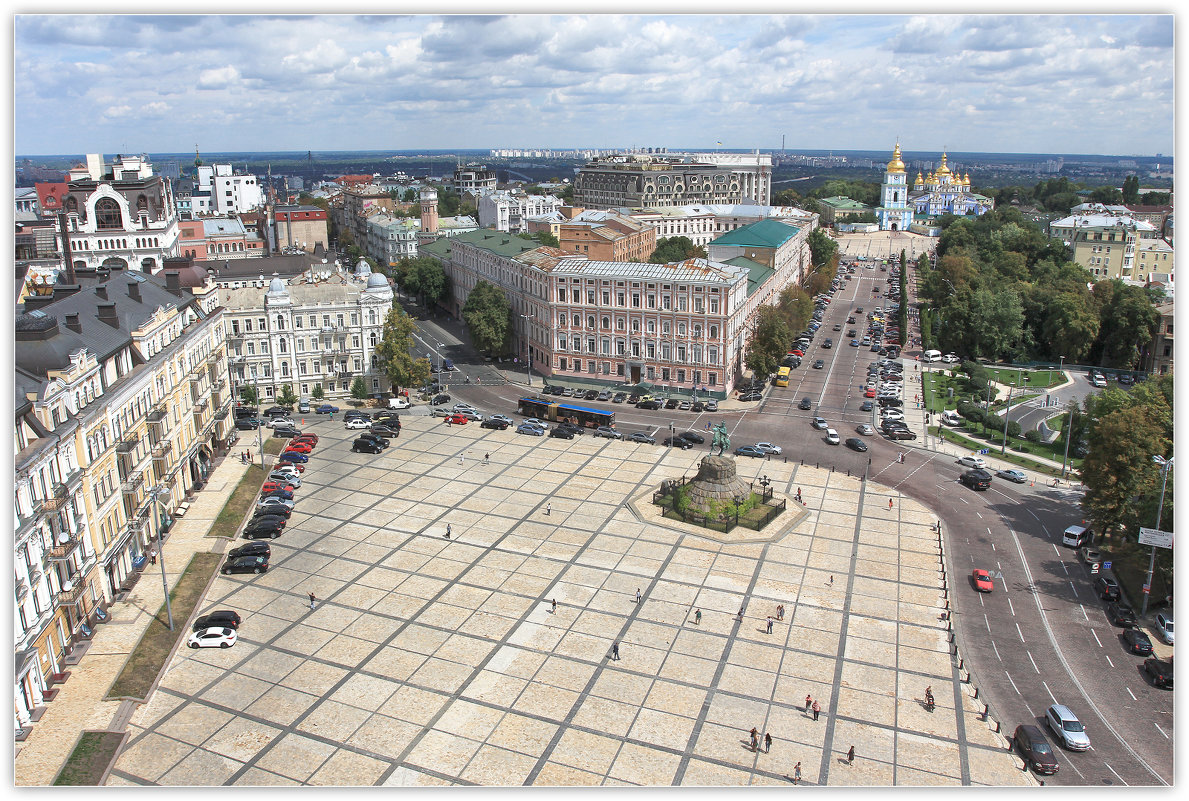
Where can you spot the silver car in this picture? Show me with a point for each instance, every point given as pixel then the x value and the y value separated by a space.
pixel 608 432
pixel 1069 730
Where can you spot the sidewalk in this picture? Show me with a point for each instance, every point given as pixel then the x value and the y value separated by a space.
pixel 79 705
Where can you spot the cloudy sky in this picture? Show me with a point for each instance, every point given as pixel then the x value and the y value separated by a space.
pixel 1065 83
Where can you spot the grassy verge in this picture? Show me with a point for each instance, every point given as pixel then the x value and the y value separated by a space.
pixel 148 658
pixel 1037 379
pixel 949 435
pixel 89 760
pixel 274 445
pixel 238 504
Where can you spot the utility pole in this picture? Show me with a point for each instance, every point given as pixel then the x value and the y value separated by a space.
pixel 1165 465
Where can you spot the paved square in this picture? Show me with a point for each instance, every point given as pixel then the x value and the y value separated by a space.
pixel 434 661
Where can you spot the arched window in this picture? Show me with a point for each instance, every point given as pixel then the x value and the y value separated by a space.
pixel 714 332
pixel 142 205
pixel 280 322
pixel 72 205
pixel 371 317
pixel 373 339
pixel 107 215
pixel 606 322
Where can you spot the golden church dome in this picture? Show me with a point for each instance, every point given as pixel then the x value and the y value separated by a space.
pixel 943 170
pixel 896 165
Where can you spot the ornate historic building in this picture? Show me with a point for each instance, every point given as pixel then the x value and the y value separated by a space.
pixel 943 191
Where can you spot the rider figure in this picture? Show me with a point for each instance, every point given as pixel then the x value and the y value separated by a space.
pixel 929 695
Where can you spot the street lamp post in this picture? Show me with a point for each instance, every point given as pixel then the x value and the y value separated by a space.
pixel 1068 434
pixel 528 359
pixel 1165 464
pixel 1006 412
pixel 156 493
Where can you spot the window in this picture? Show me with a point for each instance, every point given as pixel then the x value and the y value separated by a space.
pixel 635 300
pixel 590 321
pixel 606 322
pixel 561 320
pixel 606 298
pixel 280 322
pixel 107 215
pixel 635 326
pixel 619 299
pixel 665 328
pixel 561 296
pixel 681 329
pixel 561 341
pixel 590 296
pixel 681 303
pixel 714 332
pixel 666 302
pixel 651 301
pixel 652 326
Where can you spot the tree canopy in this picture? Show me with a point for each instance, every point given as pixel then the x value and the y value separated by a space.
pixel 488 316
pixel 675 248
pixel 394 352
pixel 424 277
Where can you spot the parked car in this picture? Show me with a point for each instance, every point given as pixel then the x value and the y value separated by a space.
pixel 438 400
pixel 214 637
pixel 768 447
pixel 224 618
pixel 498 425
pixel 246 564
pixel 293 479
pixel 262 531
pixel 456 420
pixel 619 397
pixel 750 450
pixel 866 429
pixel 561 432
pixel 270 486
pixel 608 432
pixel 693 436
pixel 982 580
pixel 247 424
pixel 1069 730
pixel 605 395
pixel 1012 475
pixel 275 411
pixel 532 430
pixel 1035 749
pixel 251 549
pixel 363 445
pixel 277 493
pixel 972 461
pixel 270 503
pixel 655 404
pixel 976 479
pixel 1163 626
pixel 1106 588
pixel 326 408
pixel 751 396
pixel 286 432
pixel 503 418
pixel 819 423
pixel 356 423
pixel 300 446
pixel 640 436
pixel 271 516
pixel 1137 642
pixel 832 437
pixel 383 431
pixel 856 444
pixel 866 406
pixel 1120 614
pixel 1159 671
pixel 677 442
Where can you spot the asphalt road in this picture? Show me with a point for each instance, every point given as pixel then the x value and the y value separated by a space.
pixel 1040 637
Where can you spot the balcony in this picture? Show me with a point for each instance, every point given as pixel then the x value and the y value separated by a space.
pixel 63 547
pixel 133 484
pixel 71 596
pixel 22 590
pixel 158 414
pixel 56 501
pixel 127 445
pixel 162 451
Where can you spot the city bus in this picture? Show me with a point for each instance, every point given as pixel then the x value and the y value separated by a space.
pixel 782 376
pixel 551 410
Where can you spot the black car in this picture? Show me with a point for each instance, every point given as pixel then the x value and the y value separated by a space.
pixel 640 436
pixel 806 404
pixel 363 445
pixel 671 403
pixel 1137 642
pixel 1159 671
pixel 866 406
pixel 894 402
pixel 856 444
pixel 1121 614
pixel 633 399
pixel 356 414
pixel 619 397
pixel 653 404
pixel 277 411
pixel 1126 380
pixel 277 509
pixel 1030 741
pixel 269 518
pixel 751 396
pixel 819 364
pixel 677 442
pixel 829 343
pixel 246 564
pixel 262 531
pixel 590 394
pixel 286 432
pixel 976 479
pixel 251 549
pixel 368 435
pixel 224 618
pixel 561 433
pixel 1106 588
pixel 440 399
pixel 574 429
pixel 382 431
pixel 498 425
pixel 693 436
pixel 247 423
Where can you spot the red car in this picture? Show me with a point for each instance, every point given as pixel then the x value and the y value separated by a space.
pixel 311 439
pixel 269 486
pixel 300 447
pixel 457 420
pixel 870 393
pixel 797 352
pixel 982 580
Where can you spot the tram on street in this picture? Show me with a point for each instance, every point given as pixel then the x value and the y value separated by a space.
pixel 551 410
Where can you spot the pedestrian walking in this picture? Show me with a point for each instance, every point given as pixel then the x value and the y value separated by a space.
pixel 449 531
pixel 850 755
pixel 808 702
pixel 780 611
pixel 831 579
pixel 767 742
pixel 637 595
pixel 740 615
pixel 461 459
pixel 486 458
pixel 697 617
pixel 798 495
pixel 769 624
pixel 549 508
pixel 152 556
pixel 797 773
pixel 889 503
pixel 615 650
pixel 817 708
pixel 312 600
pixel 755 739
pixel 554 609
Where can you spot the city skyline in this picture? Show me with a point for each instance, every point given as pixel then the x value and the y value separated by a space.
pixel 1016 84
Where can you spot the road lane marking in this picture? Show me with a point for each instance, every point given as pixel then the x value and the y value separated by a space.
pixel 1084 613
pixel 1063 567
pixel 1095 633
pixel 996 650
pixel 1129 692
pixel 1020 632
pixel 993 548
pixel 1056 551
pixel 1013 684
pixel 1108 661
pixel 1050 692
pixel 989 531
pixel 1011 607
pixel 980 516
pixel 1029 511
pixel 1033 661
pixel 1112 770
pixel 985 621
pixel 1157 725
pixel 1075 592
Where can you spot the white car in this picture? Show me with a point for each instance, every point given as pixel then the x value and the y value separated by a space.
pixel 399 403
pixel 972 461
pixel 832 437
pixel 608 432
pixel 503 418
pixel 768 447
pixel 216 637
pixel 274 501
pixel 471 415
pixel 950 358
pixel 279 422
pixel 358 423
pixel 533 421
pixel 284 475
pixel 891 413
pixel 865 429
pixel 463 407
pixel 1163 626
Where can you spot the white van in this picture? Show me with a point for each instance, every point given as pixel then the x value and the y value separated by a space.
pixel 931 356
pixel 1076 536
pixel 951 417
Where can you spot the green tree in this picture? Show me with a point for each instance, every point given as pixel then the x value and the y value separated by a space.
pixel 1106 194
pixel 359 389
pixel 1119 467
pixel 543 237
pixel 419 375
pixel 821 247
pixel 488 316
pixel 675 248
pixel 769 341
pixel 318 393
pixel 1128 320
pixel 286 397
pixel 410 196
pixel 1070 326
pixel 423 277
pixel 249 395
pixel 394 353
pixel 1131 189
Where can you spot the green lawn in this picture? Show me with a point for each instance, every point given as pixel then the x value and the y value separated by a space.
pixel 975 441
pixel 237 505
pixel 90 758
pixel 1037 379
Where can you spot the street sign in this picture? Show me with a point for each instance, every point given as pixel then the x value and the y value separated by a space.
pixel 1155 537
pixel 1106 565
pixel 1094 568
pixel 984 451
pixel 1147 589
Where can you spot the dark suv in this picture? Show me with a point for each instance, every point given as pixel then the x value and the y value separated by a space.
pixel 1035 749
pixel 805 404
pixel 1106 588
pixel 976 479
